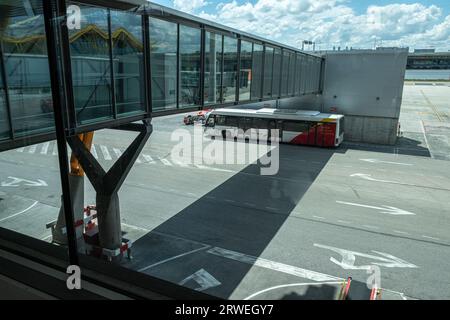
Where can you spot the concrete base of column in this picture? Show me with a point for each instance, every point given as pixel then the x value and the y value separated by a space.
pixel 109 224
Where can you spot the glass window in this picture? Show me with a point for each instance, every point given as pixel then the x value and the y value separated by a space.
pixel 258 51
pixel 230 69
pixel 221 120
pixel 4 123
pixel 268 75
pixel 276 73
pixel 285 74
pixel 304 74
pixel 163 48
pixel 190 46
pixel 91 67
pixel 30 191
pixel 260 123
pixel 22 33
pixel 246 73
pixel 295 126
pixel 128 54
pixel 213 68
pixel 231 121
pixel 292 73
pixel 298 75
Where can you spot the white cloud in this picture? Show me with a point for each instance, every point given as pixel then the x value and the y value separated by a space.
pixel 189 6
pixel 334 23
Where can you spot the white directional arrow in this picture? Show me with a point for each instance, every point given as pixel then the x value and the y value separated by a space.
pixel 204 279
pixel 384 209
pixel 389 162
pixel 369 177
pixel 348 259
pixel 15 182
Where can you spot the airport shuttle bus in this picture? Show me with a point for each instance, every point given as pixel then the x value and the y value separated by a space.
pixel 299 127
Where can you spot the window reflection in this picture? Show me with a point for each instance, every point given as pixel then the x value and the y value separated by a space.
pixel 276 73
pixel 190 41
pixel 258 51
pixel 4 123
pixel 285 74
pixel 22 35
pixel 268 75
pixel 91 69
pixel 230 69
pixel 163 47
pixel 128 57
pixel 291 82
pixel 213 68
pixel 298 70
pixel 246 72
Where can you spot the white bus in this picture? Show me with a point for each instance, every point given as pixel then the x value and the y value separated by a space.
pixel 293 126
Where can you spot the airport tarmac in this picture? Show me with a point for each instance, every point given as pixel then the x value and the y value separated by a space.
pixel 229 231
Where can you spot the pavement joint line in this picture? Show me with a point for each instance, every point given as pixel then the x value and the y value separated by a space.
pixel 174 258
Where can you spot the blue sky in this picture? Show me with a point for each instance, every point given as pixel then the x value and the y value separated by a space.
pixel 332 23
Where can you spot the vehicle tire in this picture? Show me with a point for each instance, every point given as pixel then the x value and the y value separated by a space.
pixel 224 135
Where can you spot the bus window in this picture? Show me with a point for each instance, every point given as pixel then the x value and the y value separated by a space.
pixel 231 121
pixel 245 123
pixel 211 121
pixel 260 123
pixel 295 126
pixel 341 126
pixel 220 120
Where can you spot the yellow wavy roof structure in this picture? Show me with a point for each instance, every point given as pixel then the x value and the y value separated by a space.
pixel 117 34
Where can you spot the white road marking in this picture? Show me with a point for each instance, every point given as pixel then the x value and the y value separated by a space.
pixel 106 154
pixel 204 279
pixel 45 147
pixel 32 149
pixel 55 149
pixel 94 152
pixel 321 218
pixel 349 257
pixel 384 209
pixel 272 265
pixel 369 177
pixel 292 285
pixel 401 232
pixel 166 162
pixel 118 152
pixel 388 162
pixel 370 227
pixel 16 183
pixel 174 258
pixel 344 221
pixel 148 158
pixel 201 167
pixel 431 238
pixel 21 212
pixel 426 139
pixel 20 150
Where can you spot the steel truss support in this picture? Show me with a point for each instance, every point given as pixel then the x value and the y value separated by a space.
pixel 107 184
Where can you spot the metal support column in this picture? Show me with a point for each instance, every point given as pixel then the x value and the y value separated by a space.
pixel 107 184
